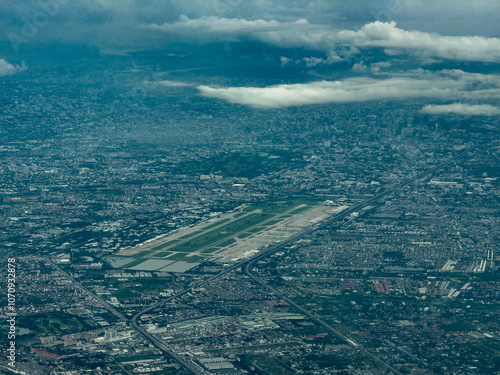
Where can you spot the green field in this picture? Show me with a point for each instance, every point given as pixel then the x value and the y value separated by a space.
pixel 220 233
pixel 143 253
pixel 256 230
pixel 133 263
pixel 164 245
pixel 196 233
pixel 224 232
pixel 238 164
pixel 228 242
pixel 55 323
pixel 220 222
pixel 191 234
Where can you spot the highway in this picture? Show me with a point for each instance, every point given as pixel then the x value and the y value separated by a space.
pixel 102 302
pixel 246 264
pixel 349 341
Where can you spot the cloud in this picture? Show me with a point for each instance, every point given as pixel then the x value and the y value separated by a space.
pixel 168 83
pixel 422 44
pixel 393 39
pixel 359 68
pixel 120 24
pixel 7 69
pixel 331 58
pixel 462 109
pixel 302 34
pixel 377 67
pixel 416 84
pixel 285 60
pixel 214 27
pixel 297 34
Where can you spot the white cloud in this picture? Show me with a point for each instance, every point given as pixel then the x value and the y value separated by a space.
pixel 393 39
pixel 301 33
pixel 285 60
pixel 331 58
pixel 462 109
pixel 168 83
pixel 377 67
pixel 214 27
pixel 359 68
pixel 7 69
pixel 462 48
pixel 314 61
pixel 297 34
pixel 417 84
